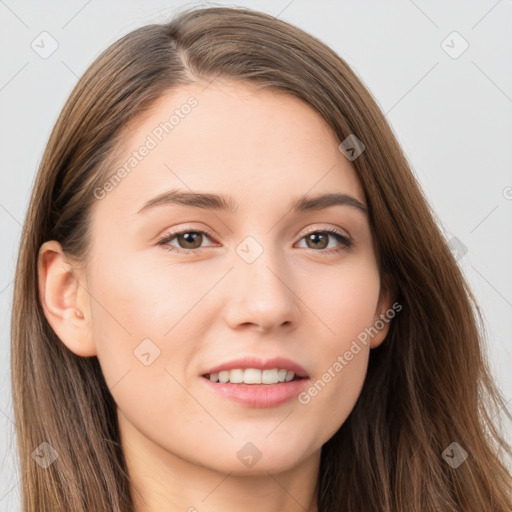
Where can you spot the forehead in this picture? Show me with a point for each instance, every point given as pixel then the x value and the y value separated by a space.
pixel 259 146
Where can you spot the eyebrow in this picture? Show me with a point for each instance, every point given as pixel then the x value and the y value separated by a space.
pixel 219 202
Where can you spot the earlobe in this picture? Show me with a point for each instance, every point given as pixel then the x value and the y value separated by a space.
pixel 382 319
pixel 64 300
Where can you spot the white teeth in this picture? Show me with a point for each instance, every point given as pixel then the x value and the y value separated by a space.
pixel 252 376
pixel 270 376
pixel 236 376
pixel 223 376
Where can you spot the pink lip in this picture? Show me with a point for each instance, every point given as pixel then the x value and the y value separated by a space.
pixel 259 395
pixel 263 364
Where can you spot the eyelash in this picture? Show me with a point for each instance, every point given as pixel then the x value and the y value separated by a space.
pixel 346 242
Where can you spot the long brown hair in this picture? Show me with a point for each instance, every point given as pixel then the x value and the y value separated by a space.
pixel 428 385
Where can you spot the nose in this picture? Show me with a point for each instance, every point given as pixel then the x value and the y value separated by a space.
pixel 261 294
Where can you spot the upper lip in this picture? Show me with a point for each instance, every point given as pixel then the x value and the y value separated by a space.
pixel 263 364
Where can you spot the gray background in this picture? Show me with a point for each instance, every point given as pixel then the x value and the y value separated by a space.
pixel 451 115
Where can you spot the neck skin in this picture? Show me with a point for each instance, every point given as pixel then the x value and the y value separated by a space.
pixel 161 481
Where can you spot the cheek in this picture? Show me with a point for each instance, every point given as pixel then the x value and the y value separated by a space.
pixel 344 299
pixel 141 298
pixel 345 302
pixel 147 312
pixel 130 314
pixel 137 330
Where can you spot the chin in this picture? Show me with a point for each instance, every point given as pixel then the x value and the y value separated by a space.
pixel 261 456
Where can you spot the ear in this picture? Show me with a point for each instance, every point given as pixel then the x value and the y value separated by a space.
pixel 384 312
pixel 65 300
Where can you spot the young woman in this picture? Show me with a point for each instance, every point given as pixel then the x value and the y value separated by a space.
pixel 231 294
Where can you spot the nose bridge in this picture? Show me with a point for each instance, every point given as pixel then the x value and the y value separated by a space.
pixel 262 293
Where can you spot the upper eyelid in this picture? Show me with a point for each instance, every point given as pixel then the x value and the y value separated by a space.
pixel 172 234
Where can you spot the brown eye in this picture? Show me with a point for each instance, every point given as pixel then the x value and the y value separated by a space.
pixel 317 240
pixel 186 241
pixel 190 240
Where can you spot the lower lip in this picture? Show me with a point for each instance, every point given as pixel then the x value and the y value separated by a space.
pixel 259 395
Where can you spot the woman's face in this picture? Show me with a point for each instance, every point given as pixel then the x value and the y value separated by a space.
pixel 262 280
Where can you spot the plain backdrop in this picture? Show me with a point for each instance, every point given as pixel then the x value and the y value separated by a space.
pixel 441 72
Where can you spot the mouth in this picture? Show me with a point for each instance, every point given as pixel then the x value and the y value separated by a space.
pixel 257 387
pixel 253 376
pixel 257 383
